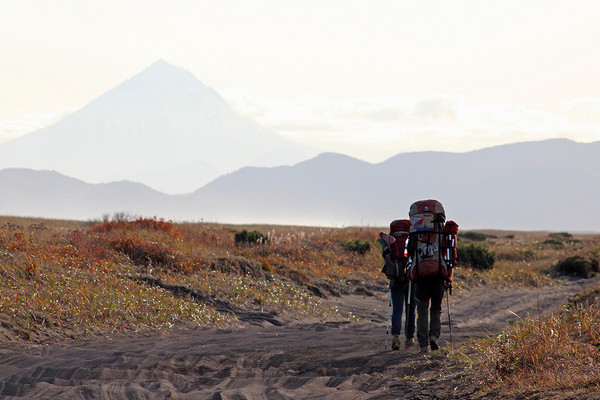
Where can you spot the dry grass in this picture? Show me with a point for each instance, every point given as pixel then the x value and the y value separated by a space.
pixel 69 279
pixel 56 281
pixel 551 355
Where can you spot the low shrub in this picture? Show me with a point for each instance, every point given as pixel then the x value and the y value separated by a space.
pixel 561 235
pixel 144 252
pixel 473 236
pixel 150 224
pixel 475 256
pixel 249 237
pixel 361 247
pixel 558 244
pixel 558 240
pixel 576 266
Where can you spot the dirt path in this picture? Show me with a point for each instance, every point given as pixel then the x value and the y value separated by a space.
pixel 293 361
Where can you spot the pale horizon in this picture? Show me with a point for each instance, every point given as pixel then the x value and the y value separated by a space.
pixel 370 80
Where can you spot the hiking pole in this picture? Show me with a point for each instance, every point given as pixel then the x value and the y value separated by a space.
pixel 449 318
pixel 387 328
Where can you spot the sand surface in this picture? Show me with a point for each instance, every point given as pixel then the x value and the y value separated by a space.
pixel 289 360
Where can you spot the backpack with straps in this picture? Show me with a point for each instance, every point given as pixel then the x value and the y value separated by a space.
pixel 394 249
pixel 432 241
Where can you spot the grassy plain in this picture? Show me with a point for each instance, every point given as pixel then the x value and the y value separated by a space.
pixel 542 356
pixel 70 280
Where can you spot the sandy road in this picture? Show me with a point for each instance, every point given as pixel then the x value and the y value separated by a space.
pixel 298 360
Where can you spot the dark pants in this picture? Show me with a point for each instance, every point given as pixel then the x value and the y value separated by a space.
pixel 429 294
pixel 399 292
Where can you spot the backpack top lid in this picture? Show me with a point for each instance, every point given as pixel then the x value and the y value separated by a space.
pixel 424 214
pixel 427 206
pixel 400 227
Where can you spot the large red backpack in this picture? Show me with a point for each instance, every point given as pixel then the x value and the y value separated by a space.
pixel 399 229
pixel 394 246
pixel 432 242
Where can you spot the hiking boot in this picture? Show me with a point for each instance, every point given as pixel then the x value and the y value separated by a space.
pixel 433 343
pixel 409 343
pixel 396 342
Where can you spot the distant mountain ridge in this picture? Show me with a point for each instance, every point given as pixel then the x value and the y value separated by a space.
pixel 49 194
pixel 535 185
pixel 547 185
pixel 161 127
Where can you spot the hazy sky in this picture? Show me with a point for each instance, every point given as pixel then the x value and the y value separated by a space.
pixel 368 78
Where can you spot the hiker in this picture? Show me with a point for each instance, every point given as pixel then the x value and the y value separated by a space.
pixel 432 252
pixel 400 292
pixel 401 289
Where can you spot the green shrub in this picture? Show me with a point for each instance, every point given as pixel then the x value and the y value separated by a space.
pixel 559 239
pixel 361 247
pixel 252 237
pixel 561 235
pixel 475 256
pixel 554 243
pixel 474 236
pixel 576 266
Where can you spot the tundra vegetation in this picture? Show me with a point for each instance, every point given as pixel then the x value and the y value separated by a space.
pixel 557 355
pixel 66 280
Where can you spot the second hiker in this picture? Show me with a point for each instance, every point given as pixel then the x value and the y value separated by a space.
pixel 401 289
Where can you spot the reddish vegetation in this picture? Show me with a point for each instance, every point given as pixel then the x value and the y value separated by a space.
pixel 65 280
pixel 141 223
pixel 68 274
